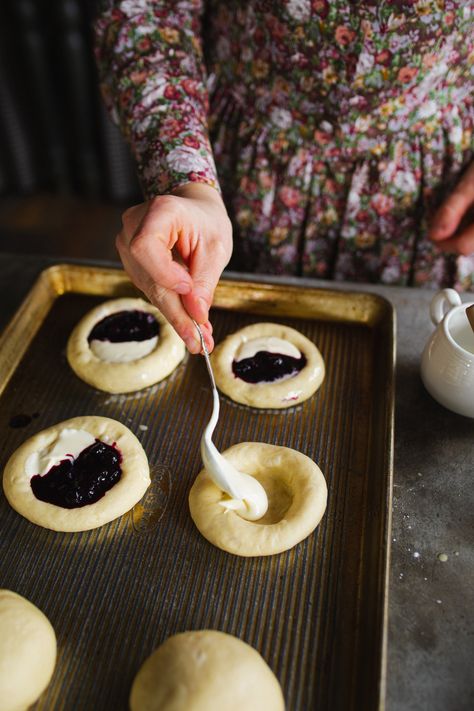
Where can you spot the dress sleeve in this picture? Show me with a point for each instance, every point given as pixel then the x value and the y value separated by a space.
pixel 153 80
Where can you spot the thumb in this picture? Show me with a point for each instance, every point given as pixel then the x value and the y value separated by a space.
pixel 448 217
pixel 205 270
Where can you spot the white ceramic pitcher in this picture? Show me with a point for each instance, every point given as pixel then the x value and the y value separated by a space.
pixel 447 364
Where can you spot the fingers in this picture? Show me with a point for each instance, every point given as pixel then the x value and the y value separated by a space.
pixel 149 239
pixel 170 305
pixel 448 217
pixel 151 233
pixel 144 246
pixel 461 244
pixel 206 329
pixel 166 300
pixel 206 266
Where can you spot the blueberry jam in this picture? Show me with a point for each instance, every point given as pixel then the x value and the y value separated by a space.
pixel 267 367
pixel 125 326
pixel 82 481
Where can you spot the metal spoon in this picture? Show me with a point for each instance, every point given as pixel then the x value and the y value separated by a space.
pixel 248 497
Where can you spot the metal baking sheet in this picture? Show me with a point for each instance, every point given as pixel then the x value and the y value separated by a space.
pixel 316 613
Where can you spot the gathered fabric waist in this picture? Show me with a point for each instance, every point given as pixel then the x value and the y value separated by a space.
pixel 407 119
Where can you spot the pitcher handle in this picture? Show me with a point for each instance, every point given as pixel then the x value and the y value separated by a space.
pixel 446 297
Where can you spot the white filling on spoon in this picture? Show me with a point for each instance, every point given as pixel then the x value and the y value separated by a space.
pixel 122 352
pixel 68 445
pixel 248 497
pixel 271 344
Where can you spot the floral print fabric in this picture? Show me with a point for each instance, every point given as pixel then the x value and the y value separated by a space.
pixel 336 127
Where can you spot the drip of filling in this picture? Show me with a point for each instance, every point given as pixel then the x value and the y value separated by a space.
pixel 124 336
pixel 265 367
pixel 246 496
pixel 76 482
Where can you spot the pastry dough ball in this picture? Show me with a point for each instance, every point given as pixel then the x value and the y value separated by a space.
pixel 279 394
pixel 27 652
pixel 124 377
pixel 296 491
pixel 205 671
pixel 117 500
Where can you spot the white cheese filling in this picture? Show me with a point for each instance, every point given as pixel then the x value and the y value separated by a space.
pixel 68 445
pixel 247 497
pixel 122 352
pixel 271 344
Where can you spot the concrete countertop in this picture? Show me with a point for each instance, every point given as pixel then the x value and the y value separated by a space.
pixel 431 642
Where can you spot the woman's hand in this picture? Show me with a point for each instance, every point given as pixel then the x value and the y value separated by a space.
pixel 174 248
pixel 452 227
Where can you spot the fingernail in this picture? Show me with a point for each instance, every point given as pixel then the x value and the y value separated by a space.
pixel 182 288
pixel 193 344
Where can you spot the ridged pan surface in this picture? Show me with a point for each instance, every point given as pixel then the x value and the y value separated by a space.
pixel 315 613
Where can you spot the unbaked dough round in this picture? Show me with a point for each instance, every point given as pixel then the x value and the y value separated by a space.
pixel 123 495
pixel 205 670
pixel 135 374
pixel 27 652
pixel 297 494
pixel 277 394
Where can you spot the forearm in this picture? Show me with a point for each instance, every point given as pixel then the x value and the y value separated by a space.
pixel 154 83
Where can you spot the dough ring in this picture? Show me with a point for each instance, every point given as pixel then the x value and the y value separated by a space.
pixel 120 498
pixel 278 394
pixel 124 377
pixel 296 491
pixel 205 670
pixel 27 652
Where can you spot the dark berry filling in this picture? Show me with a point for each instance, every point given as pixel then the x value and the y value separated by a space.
pixel 78 482
pixel 125 326
pixel 267 367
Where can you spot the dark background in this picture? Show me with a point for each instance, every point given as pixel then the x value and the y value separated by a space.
pixel 65 172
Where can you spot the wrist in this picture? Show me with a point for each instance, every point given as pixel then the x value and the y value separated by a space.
pixel 198 191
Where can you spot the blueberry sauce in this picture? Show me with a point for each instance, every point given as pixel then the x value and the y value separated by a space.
pixel 78 482
pixel 267 367
pixel 125 326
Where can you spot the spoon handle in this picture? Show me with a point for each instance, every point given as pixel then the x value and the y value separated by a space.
pixel 206 355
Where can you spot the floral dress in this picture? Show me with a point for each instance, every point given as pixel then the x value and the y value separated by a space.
pixel 333 129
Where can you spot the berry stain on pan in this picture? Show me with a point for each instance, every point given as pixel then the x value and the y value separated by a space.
pixel 22 420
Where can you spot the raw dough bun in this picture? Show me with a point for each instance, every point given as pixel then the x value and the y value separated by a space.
pixel 205 671
pixel 297 494
pixel 135 374
pixel 285 393
pixel 123 495
pixel 27 652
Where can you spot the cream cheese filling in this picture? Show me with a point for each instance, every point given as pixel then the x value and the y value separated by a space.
pixel 247 497
pixel 68 445
pixel 271 344
pixel 123 352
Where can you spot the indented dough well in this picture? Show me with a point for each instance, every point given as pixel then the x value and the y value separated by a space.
pixel 280 496
pixel 296 491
